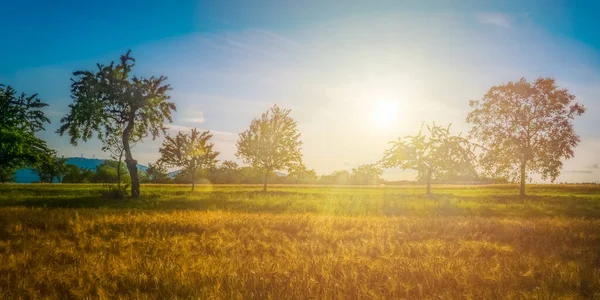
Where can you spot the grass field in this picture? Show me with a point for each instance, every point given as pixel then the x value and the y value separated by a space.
pixel 234 242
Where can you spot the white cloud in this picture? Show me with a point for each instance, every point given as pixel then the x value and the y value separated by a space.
pixel 174 128
pixel 497 19
pixel 217 134
pixel 332 73
pixel 198 119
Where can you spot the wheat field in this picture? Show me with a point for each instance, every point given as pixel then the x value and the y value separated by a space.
pixel 231 242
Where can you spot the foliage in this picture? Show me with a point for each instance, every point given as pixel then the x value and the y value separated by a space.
pixel 231 173
pixel 525 127
pixel 7 174
pixel 112 191
pixel 157 173
pixel 271 143
pixel 20 118
pixel 74 174
pixel 227 172
pixel 301 175
pixel 366 174
pixel 433 154
pixel 192 152
pixel 336 177
pixel 51 168
pixel 107 172
pixel 186 176
pixel 113 144
pixel 110 100
pixel 251 175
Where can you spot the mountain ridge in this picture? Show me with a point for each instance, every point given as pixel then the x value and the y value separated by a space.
pixel 27 175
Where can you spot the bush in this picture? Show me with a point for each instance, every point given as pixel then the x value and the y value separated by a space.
pixel 114 191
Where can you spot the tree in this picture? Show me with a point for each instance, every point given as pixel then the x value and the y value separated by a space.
pixel 74 174
pixel 157 173
pixel 433 155
pixel 113 144
pixel 192 152
pixel 50 168
pixel 20 118
pixel 7 175
pixel 525 127
pixel 366 174
pixel 336 177
pixel 271 143
pixel 107 172
pixel 251 175
pixel 110 99
pixel 227 172
pixel 300 174
pixel 230 169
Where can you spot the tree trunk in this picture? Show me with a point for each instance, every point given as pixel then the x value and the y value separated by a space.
pixel 522 189
pixel 428 185
pixel 130 162
pixel 428 182
pixel 119 170
pixel 193 178
pixel 265 182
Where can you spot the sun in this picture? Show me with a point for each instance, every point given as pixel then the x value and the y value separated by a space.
pixel 385 113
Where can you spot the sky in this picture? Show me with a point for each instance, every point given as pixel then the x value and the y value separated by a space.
pixel 341 66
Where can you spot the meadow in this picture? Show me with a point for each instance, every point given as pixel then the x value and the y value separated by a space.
pixel 300 242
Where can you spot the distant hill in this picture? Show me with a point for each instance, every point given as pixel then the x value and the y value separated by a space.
pixel 27 175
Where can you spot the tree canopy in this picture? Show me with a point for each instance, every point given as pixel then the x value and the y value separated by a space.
pixel 525 127
pixel 74 174
pixel 338 177
pixel 366 174
pixel 191 152
pixel 111 99
pixel 157 173
pixel 21 116
pixel 50 168
pixel 433 154
pixel 108 171
pixel 271 143
pixel 301 175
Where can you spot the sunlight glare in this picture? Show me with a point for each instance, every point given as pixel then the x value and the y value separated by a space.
pixel 385 113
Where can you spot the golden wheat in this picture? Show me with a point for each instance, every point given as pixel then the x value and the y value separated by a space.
pixel 141 254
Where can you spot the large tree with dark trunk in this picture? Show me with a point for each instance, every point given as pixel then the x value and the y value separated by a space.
pixel 525 127
pixel 271 143
pixel 111 99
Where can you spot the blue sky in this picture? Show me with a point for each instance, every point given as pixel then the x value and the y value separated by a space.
pixel 332 62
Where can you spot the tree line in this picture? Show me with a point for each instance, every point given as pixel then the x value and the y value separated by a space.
pixel 227 172
pixel 518 129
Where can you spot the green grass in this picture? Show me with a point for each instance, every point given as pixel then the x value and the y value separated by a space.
pixel 235 242
pixel 503 200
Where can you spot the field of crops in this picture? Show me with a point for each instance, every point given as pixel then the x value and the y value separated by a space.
pixel 235 242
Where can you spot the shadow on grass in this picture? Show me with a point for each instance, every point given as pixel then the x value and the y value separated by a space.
pixel 71 202
pixel 246 201
pixel 322 203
